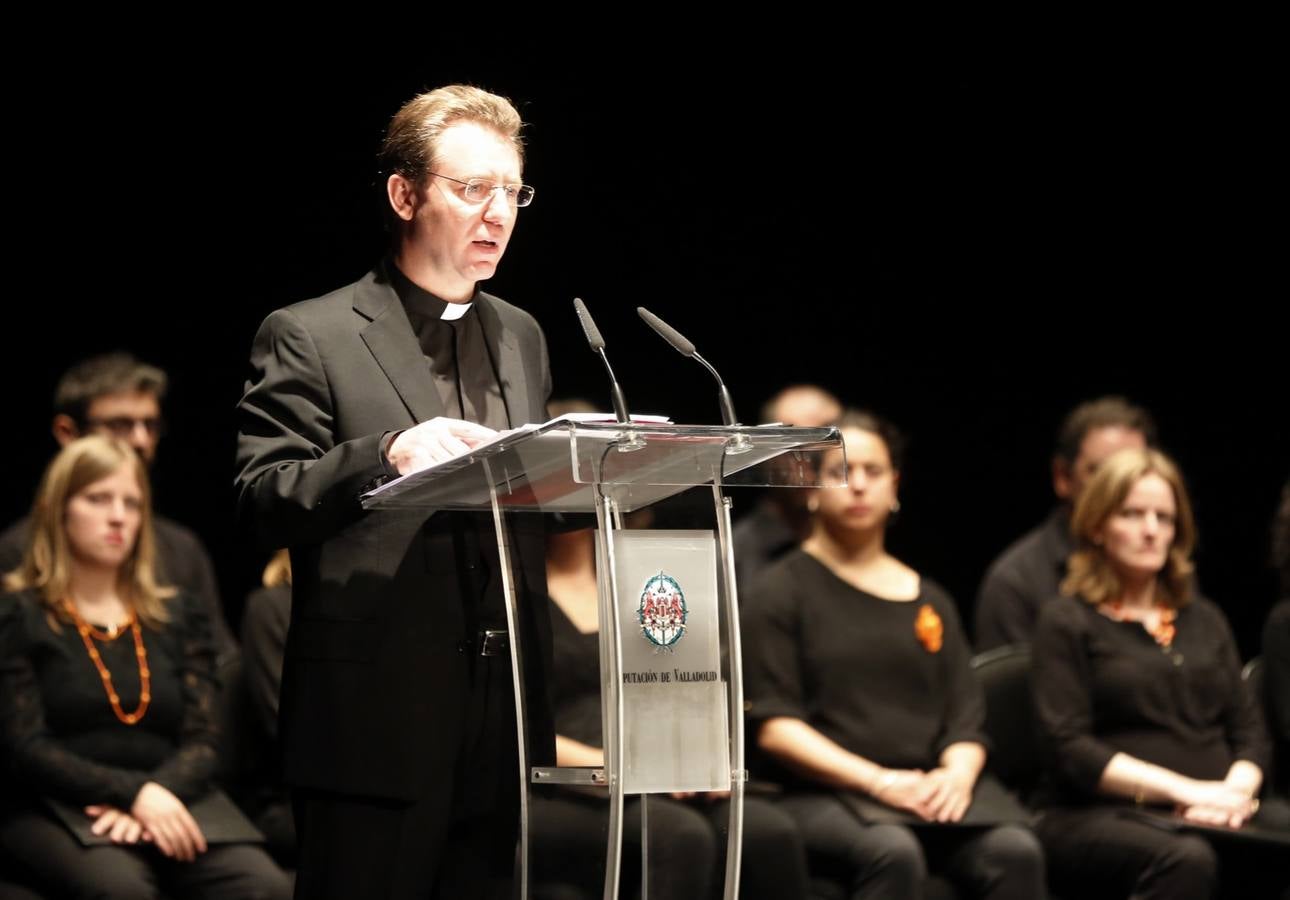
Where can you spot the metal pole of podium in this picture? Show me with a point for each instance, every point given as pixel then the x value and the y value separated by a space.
pixel 517 675
pixel 644 802
pixel 612 704
pixel 738 775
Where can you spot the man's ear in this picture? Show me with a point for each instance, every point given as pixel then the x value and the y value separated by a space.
pixel 402 195
pixel 64 429
pixel 1063 485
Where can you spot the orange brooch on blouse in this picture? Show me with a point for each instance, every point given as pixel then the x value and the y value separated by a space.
pixel 929 629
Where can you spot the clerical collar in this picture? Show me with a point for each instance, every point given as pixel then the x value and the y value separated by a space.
pixel 417 299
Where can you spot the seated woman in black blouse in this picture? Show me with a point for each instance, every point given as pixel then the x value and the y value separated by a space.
pixel 106 695
pixel 857 673
pixel 1138 691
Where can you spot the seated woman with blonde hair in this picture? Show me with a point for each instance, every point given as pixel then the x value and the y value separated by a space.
pixel 107 687
pixel 1139 695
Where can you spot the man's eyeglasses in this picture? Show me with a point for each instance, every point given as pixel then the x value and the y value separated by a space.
pixel 479 189
pixel 124 426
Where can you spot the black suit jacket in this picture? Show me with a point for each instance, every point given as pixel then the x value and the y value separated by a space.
pixel 374 684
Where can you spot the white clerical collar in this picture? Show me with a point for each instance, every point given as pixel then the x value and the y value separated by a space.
pixel 454 311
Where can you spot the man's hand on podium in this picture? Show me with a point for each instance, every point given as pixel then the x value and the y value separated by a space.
pixel 434 441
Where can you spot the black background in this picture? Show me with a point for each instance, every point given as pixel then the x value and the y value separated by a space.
pixel 968 251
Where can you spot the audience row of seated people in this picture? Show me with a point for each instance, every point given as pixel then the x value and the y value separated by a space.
pixel 866 721
pixel 870 721
pixel 1145 722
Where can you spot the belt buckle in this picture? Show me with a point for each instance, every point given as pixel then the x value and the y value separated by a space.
pixel 492 643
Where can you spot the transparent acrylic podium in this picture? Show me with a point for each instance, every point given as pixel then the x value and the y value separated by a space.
pixel 646 668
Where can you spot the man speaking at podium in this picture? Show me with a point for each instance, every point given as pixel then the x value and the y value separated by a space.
pixel 397 710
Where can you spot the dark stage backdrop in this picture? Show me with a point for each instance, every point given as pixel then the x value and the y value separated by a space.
pixel 967 254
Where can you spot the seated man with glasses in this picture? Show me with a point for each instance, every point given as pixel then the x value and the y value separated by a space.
pixel 118 396
pixel 397 717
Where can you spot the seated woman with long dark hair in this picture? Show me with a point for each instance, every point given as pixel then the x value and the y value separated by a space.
pixel 858 674
pixel 107 691
pixel 1138 691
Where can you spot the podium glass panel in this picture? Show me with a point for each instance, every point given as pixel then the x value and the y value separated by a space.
pixel 675 736
pixel 682 733
pixel 556 467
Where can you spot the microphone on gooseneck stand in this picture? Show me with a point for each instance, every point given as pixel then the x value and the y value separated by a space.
pixel 739 443
pixel 597 344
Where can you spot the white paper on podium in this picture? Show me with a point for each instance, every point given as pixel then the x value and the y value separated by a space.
pixel 676 735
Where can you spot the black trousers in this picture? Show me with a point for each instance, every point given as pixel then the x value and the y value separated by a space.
pixel 773 862
pixel 570 836
pixel 1099 851
pixel 55 862
pixel 687 847
pixel 888 861
pixel 455 841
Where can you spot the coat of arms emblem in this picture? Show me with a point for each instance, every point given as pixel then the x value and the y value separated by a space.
pixel 662 611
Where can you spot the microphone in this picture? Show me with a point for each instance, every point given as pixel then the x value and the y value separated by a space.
pixel 597 344
pixel 686 348
pixel 739 443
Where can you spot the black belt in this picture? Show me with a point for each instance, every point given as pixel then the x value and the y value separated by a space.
pixel 488 642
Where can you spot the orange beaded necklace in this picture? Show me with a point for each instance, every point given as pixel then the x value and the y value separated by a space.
pixel 88 634
pixel 1160 626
